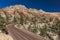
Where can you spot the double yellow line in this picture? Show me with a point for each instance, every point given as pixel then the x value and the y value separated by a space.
pixel 20 35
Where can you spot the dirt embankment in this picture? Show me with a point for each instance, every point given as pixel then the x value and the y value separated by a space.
pixel 5 37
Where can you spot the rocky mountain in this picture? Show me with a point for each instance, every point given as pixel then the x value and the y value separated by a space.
pixel 45 24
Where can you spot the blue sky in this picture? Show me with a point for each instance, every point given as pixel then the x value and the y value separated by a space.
pixel 46 5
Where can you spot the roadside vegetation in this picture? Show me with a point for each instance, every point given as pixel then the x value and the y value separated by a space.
pixel 32 21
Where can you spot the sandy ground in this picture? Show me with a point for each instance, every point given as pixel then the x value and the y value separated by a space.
pixel 5 37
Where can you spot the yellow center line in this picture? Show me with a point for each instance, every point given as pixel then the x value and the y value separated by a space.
pixel 20 35
pixel 14 35
pixel 26 36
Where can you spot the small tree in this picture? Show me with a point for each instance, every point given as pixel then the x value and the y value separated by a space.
pixel 2 26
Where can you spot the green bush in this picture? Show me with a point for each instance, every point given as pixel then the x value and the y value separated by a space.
pixel 2 26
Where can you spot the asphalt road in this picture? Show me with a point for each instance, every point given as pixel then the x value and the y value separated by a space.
pixel 21 34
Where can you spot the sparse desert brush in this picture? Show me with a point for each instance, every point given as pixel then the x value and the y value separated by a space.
pixel 36 21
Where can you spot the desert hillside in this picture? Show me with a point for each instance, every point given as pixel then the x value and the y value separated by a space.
pixel 45 24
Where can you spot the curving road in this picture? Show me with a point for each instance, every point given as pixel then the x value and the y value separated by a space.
pixel 20 34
